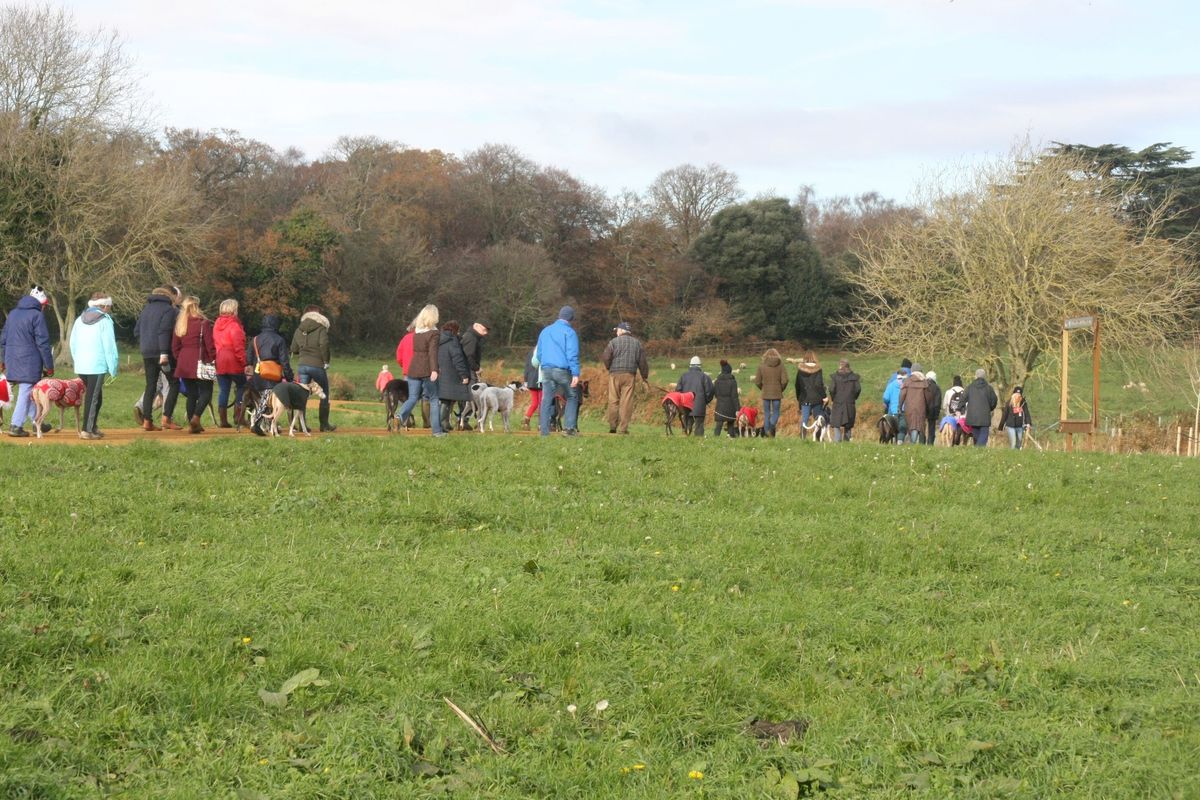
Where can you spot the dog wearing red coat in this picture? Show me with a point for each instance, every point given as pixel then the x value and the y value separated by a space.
pixel 747 421
pixel 678 406
pixel 5 397
pixel 56 392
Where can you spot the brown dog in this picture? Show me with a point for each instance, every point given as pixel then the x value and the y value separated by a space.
pixel 283 399
pixel 56 392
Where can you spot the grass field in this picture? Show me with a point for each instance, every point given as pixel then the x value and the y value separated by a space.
pixel 941 623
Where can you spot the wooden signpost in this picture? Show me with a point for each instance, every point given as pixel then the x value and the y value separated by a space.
pixel 1068 426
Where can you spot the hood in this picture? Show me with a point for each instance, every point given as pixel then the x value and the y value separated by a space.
pixel 226 321
pixel 917 376
pixel 92 316
pixel 445 337
pixel 270 323
pixel 29 302
pixel 313 320
pixel 809 367
pixel 159 298
pixel 772 361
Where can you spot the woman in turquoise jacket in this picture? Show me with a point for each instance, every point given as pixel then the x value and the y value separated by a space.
pixel 94 351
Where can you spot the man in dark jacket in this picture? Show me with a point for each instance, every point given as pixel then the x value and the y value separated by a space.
pixel 623 358
pixel 472 347
pixel 311 343
pixel 725 390
pixel 699 384
pixel 981 402
pixel 844 390
pixel 153 330
pixel 933 406
pixel 454 376
pixel 25 354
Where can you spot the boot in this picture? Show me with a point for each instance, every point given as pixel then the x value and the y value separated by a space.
pixel 148 425
pixel 169 425
pixel 325 426
pixel 239 416
pixel 194 425
pixel 223 411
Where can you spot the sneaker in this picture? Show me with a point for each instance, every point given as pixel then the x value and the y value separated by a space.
pixel 97 433
pixel 88 435
pixel 15 431
pixel 440 433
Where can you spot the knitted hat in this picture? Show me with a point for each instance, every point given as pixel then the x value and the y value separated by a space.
pixel 567 313
pixel 931 375
pixel 726 367
pixel 695 362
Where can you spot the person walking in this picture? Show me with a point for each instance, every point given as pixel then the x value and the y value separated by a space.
pixel 624 358
pixel 557 359
pixel 454 374
pixel 422 373
pixel 1016 419
pixel 914 404
pixel 725 390
pixel 472 347
pixel 94 352
pixel 810 389
pixel 25 354
pixel 771 378
pixel 534 385
pixel 192 344
pixel 891 401
pixel 153 330
pixel 933 407
pixel 267 363
pixel 981 402
pixel 311 343
pixel 696 381
pixel 230 338
pixel 844 390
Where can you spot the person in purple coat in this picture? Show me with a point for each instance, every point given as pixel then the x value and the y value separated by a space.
pixel 25 355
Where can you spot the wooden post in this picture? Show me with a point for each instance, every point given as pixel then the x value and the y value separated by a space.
pixel 1178 438
pixel 1062 409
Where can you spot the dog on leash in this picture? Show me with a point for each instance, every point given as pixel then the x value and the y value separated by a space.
pixel 395 394
pixel 818 425
pixel 492 400
pixel 747 421
pixel 292 398
pixel 558 408
pixel 57 392
pixel 678 406
pixel 889 429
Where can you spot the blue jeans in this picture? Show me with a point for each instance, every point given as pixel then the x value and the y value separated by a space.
pixel 23 405
pixel 916 436
pixel 316 374
pixel 1016 436
pixel 557 381
pixel 980 434
pixel 770 416
pixel 417 387
pixel 224 382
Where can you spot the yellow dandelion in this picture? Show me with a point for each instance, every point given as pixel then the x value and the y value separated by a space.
pixel 639 766
pixel 1126 602
pixel 675 588
pixel 696 775
pixel 264 761
pixel 246 640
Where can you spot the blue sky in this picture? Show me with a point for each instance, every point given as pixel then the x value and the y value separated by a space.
pixel 845 96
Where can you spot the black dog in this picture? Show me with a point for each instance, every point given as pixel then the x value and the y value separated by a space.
pixel 683 415
pixel 558 408
pixel 889 429
pixel 395 394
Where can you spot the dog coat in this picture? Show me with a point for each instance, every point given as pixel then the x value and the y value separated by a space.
pixel 4 395
pixel 681 399
pixel 65 394
pixel 751 413
pixel 292 395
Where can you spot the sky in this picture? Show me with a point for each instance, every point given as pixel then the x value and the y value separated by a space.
pixel 846 96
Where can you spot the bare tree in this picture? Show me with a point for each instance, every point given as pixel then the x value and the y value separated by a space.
pixel 990 271
pixel 520 285
pixel 687 197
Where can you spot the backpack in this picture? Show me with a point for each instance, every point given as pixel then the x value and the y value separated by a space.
pixel 958 401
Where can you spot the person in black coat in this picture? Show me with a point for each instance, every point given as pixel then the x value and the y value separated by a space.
pixel 981 402
pixel 699 384
pixel 725 389
pixel 268 345
pixel 153 330
pixel 844 390
pixel 454 374
pixel 1016 419
pixel 933 406
pixel 472 347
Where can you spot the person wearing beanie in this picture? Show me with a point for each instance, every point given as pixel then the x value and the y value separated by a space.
pixel 696 381
pixel 25 354
pixel 153 330
pixel 771 378
pixel 624 358
pixel 725 390
pixel 844 390
pixel 557 360
pixel 981 402
pixel 94 353
pixel 891 400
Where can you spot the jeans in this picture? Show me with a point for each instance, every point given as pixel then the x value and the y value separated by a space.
pixel 318 374
pixel 916 436
pixel 93 390
pixel 417 387
pixel 770 416
pixel 1016 436
pixel 980 434
pixel 22 406
pixel 236 379
pixel 901 428
pixel 558 381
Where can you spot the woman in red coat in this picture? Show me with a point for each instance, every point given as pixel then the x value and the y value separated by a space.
pixel 230 339
pixel 191 343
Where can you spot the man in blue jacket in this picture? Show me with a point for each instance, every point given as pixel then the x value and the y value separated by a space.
pixel 557 357
pixel 25 354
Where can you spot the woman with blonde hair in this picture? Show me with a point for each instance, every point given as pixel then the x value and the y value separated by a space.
pixel 192 344
pixel 230 338
pixel 422 372
pixel 772 379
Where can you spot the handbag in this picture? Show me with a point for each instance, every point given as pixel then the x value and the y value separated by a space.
pixel 205 370
pixel 267 370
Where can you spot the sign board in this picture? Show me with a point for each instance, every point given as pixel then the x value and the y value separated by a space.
pixel 1075 323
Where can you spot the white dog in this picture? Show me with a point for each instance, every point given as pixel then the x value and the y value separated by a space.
pixel 490 400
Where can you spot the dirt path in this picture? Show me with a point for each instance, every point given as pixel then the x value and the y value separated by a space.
pixel 128 435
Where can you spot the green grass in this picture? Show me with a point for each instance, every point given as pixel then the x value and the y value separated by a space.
pixel 951 623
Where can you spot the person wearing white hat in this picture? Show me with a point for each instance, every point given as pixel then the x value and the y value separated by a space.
pixel 700 385
pixel 94 352
pixel 25 354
